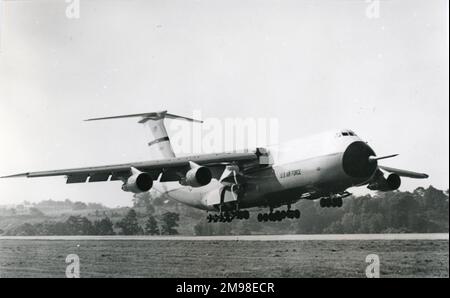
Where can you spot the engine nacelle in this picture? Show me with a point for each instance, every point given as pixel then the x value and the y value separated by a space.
pixel 137 183
pixel 392 182
pixel 198 176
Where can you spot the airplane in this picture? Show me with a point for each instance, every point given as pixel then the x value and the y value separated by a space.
pixel 321 167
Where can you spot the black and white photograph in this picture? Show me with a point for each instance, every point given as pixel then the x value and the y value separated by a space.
pixel 224 145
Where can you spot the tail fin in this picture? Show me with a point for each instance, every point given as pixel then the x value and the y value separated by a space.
pixel 160 146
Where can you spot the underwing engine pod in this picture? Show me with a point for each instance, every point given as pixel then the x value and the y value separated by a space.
pixel 138 182
pixel 197 176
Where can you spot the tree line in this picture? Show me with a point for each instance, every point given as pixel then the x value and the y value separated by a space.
pixel 420 211
pixel 80 225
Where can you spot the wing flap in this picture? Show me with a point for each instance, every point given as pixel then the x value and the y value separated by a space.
pixel 76 179
pixel 98 177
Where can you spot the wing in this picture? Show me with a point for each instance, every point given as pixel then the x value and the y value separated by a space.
pixel 404 173
pixel 172 169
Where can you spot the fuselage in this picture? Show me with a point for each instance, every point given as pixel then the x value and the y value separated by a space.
pixel 307 168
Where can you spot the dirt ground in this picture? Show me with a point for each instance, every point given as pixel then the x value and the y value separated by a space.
pixel 167 258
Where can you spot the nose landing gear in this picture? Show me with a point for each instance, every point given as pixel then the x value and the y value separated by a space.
pixel 333 200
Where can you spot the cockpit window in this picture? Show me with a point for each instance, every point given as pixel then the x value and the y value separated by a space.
pixel 347 133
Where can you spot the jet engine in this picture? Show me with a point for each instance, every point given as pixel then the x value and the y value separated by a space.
pixel 392 182
pixel 138 182
pixel 198 176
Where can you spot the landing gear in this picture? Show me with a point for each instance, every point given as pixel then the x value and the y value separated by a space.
pixel 331 202
pixel 278 215
pixel 228 216
pixel 334 200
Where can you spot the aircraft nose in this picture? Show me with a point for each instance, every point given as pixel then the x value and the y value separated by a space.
pixel 356 160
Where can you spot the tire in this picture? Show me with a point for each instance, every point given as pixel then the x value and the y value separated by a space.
pixel 290 214
pixel 260 217
pixel 322 203
pixel 297 213
pixel 278 216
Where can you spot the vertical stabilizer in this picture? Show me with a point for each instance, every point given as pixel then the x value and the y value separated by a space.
pixel 159 144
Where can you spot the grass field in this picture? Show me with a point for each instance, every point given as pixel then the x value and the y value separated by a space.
pixel 167 258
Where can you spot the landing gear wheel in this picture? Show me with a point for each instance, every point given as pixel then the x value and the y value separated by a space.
pixel 297 213
pixel 277 216
pixel 322 203
pixel 271 216
pixel 260 217
pixel 290 214
pixel 339 202
pixel 246 214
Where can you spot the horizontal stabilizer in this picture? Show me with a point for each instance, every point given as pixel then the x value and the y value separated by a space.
pixel 148 116
pixel 375 158
pixel 404 173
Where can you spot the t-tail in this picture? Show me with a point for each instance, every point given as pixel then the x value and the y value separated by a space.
pixel 159 144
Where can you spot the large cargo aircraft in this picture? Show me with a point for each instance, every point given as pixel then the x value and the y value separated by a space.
pixel 321 167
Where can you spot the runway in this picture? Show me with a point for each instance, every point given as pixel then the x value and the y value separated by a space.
pixel 293 237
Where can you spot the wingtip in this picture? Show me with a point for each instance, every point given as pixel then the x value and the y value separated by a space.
pixel 15 175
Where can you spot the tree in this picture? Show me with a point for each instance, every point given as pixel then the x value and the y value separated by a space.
pixel 129 224
pixel 104 227
pixel 77 225
pixel 144 200
pixel 151 226
pixel 36 212
pixel 79 206
pixel 169 222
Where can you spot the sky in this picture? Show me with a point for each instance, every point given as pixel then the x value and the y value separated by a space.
pixel 381 70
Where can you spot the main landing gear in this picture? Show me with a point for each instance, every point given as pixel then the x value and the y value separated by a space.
pixel 334 200
pixel 228 216
pixel 278 215
pixel 331 202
